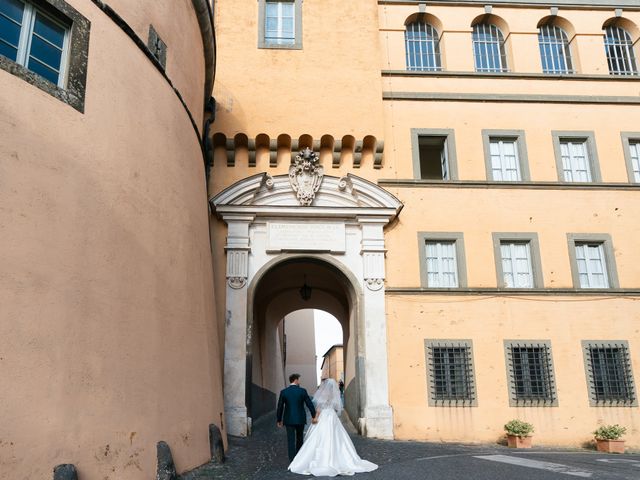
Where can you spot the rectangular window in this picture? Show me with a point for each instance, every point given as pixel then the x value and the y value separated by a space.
pixel 505 164
pixel 517 270
pixel 608 368
pixel 34 39
pixel 442 260
pixel 451 379
pixel 280 24
pixel 575 161
pixel 434 155
pixel 530 373
pixel 442 268
pixel 591 263
pixel 634 154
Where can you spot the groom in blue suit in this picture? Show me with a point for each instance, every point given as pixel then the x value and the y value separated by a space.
pixel 291 413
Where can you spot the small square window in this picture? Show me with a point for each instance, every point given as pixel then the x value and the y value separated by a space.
pixel 608 369
pixel 442 259
pixel 505 154
pixel 517 259
pixel 631 146
pixel 530 373
pixel 280 24
pixel 450 373
pixel 46 44
pixel 434 156
pixel 592 261
pixel 576 157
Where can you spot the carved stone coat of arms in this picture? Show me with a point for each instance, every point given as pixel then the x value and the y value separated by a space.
pixel 305 176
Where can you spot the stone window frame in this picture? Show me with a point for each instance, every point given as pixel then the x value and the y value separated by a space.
pixel 534 249
pixel 262 43
pixel 588 370
pixel 514 401
pixel 609 257
pixel 627 138
pixel 450 143
pixel 454 343
pixel 73 93
pixel 589 138
pixel 461 263
pixel 523 158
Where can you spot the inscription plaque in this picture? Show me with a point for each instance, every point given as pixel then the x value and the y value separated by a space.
pixel 325 237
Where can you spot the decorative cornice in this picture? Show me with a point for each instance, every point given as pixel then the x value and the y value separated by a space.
pixel 512 75
pixel 612 292
pixel 510 98
pixel 483 184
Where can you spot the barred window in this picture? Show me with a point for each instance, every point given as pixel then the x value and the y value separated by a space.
pixel 608 368
pixel 530 373
pixel 555 52
pixel 450 370
pixel 619 50
pixel 422 47
pixel 488 48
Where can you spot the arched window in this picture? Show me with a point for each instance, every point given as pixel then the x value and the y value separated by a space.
pixel 422 47
pixel 619 49
pixel 488 48
pixel 554 50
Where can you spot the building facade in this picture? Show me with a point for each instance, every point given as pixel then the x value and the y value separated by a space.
pixel 333 363
pixel 469 175
pixel 108 341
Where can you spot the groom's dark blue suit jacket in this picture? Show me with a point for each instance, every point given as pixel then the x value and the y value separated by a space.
pixel 291 406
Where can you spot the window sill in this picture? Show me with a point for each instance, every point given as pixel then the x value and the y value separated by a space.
pixel 419 183
pixel 277 46
pixel 511 75
pixel 612 292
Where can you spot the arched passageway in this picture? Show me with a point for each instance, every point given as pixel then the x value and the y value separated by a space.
pixel 278 293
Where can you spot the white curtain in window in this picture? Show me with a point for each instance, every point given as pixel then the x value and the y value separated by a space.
pixel 505 165
pixel 634 150
pixel 575 161
pixel 516 264
pixel 279 22
pixel 591 265
pixel 442 268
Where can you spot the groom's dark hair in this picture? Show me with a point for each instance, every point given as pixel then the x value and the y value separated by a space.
pixel 293 377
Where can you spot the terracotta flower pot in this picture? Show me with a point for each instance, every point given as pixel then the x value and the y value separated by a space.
pixel 513 441
pixel 610 446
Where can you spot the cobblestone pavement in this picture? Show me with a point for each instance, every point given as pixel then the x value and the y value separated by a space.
pixel 263 456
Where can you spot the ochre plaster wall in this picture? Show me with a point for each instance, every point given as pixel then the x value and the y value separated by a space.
pixel 487 321
pixel 107 330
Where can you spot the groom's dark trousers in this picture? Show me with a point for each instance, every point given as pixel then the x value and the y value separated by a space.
pixel 291 412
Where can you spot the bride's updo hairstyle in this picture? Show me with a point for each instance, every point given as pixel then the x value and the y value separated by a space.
pixel 328 396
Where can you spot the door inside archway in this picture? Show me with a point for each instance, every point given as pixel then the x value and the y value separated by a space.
pixel 285 292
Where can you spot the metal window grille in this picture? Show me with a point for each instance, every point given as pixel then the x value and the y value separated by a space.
pixel 422 47
pixel 576 164
pixel 634 151
pixel 619 50
pixel 442 268
pixel 451 375
pixel 505 165
pixel 34 39
pixel 554 50
pixel 488 48
pixel 609 374
pixel 531 373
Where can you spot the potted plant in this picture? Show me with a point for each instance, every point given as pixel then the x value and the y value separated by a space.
pixel 608 438
pixel 518 434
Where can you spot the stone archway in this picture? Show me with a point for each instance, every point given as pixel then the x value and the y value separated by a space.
pixel 340 221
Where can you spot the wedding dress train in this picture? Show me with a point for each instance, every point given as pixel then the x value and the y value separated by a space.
pixel 327 449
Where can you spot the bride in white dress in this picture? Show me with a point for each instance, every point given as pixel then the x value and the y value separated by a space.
pixel 327 449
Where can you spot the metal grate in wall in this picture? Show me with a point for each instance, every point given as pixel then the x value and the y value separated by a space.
pixel 531 374
pixel 451 374
pixel 609 374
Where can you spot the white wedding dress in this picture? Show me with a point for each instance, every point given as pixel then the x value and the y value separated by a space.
pixel 327 449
